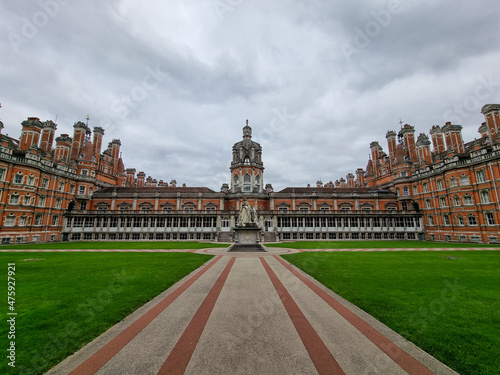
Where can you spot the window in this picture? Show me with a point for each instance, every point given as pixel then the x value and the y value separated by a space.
pixel 472 220
pixel 246 183
pixel 485 196
pixel 453 182
pixel 464 180
pixel 257 182
pixel 85 172
pixel 81 190
pixel 61 186
pixel 236 182
pixel 406 190
pixel 2 174
pixel 72 189
pixel 45 183
pixel 22 221
pixel 58 202
pixel 457 201
pixel 83 206
pixel 430 220
pixel 304 209
pixel 38 220
pixel 442 201
pixel 404 206
pixel 425 187
pixel 439 184
pixel 446 220
pixel 403 174
pixel 18 178
pixel 480 176
pixel 31 180
pixel 428 203
pixel 460 220
pixel 55 220
pixel 10 221
pixel 490 218
pixel 415 189
pixel 14 199
pixel 283 209
pixel 468 200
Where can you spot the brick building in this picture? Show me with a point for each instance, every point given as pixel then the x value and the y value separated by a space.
pixel 150 211
pixel 455 185
pixel 75 192
pixel 40 181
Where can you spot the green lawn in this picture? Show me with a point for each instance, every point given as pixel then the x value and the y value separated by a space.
pixel 64 300
pixel 116 245
pixel 448 303
pixel 371 244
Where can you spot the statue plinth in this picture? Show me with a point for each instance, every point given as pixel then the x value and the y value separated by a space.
pixel 247 231
pixel 247 238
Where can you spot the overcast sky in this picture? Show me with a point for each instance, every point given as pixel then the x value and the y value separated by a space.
pixel 318 80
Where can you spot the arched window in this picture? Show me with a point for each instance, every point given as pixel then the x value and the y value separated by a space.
pixel 236 182
pixel 257 182
pixel 247 187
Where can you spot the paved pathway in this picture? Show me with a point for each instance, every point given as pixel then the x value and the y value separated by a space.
pixel 249 313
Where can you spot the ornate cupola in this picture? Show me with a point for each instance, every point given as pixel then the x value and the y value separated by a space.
pixel 246 167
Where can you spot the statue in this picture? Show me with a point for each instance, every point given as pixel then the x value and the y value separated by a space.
pixel 248 215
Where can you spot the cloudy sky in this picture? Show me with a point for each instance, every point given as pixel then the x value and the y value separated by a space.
pixel 318 80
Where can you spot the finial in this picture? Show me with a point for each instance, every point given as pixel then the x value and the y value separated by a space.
pixel 247 122
pixel 88 118
pixel 401 123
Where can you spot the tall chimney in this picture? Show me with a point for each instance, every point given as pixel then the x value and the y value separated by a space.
pixel 63 145
pixel 437 139
pixel 141 176
pixel 491 114
pixel 408 133
pixel 78 139
pixel 423 149
pixel 30 133
pixel 97 143
pixel 453 137
pixel 130 172
pixel 48 132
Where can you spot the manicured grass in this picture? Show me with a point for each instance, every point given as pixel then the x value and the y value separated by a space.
pixel 372 244
pixel 117 245
pixel 448 303
pixel 64 300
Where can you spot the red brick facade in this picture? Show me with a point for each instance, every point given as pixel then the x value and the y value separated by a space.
pixel 73 191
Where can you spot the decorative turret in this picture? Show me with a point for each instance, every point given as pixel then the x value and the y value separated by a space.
pixel 408 133
pixel 30 133
pixel 79 136
pixel 63 145
pixel 98 133
pixel 423 149
pixel 437 139
pixel 48 133
pixel 453 137
pixel 491 114
pixel 246 167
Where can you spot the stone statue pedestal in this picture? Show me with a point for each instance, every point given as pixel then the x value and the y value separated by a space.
pixel 247 238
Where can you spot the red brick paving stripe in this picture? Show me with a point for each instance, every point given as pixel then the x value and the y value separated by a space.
pixel 108 351
pixel 320 355
pixel 179 357
pixel 398 355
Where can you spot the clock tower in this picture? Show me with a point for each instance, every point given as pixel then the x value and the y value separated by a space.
pixel 247 168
